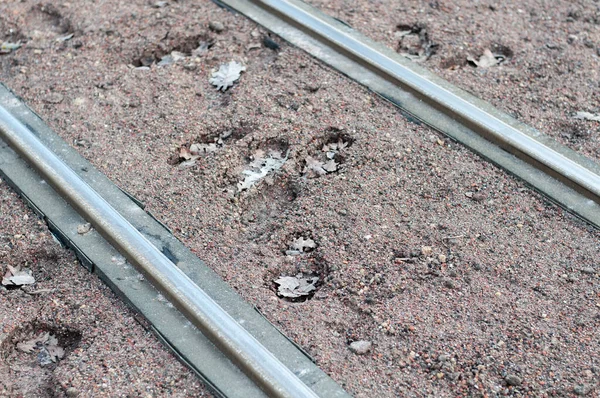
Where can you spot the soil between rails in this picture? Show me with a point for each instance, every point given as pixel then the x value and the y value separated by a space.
pixel 464 281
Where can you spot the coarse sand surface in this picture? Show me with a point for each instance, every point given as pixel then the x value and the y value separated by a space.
pixel 464 281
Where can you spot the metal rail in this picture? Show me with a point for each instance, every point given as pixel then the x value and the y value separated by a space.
pixel 240 346
pixel 454 105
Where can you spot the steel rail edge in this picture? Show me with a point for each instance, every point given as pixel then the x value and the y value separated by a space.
pixel 274 378
pixel 487 125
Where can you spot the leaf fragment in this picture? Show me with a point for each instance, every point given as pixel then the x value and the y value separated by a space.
pixel 55 352
pixel 226 75
pixel 303 245
pixel 335 147
pixel 17 277
pixel 319 168
pixel 201 49
pixel 587 116
pixel 296 286
pixel 487 59
pixel 261 166
pixel 171 58
pixel 330 166
pixel 47 347
pixel 7 47
pixel 65 38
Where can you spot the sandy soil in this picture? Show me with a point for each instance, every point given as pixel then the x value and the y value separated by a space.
pixel 465 282
pixel 551 69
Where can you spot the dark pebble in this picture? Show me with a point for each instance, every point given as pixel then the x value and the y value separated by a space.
pixel 448 283
pixel 270 43
pixel 513 380
pixel 216 26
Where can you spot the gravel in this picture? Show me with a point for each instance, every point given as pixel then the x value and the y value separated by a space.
pixel 397 182
pixel 360 347
pixel 513 380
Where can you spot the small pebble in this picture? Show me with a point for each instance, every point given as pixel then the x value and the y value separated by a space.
pixel 588 270
pixel 588 43
pixel 426 250
pixel 216 26
pixel 360 347
pixel 478 197
pixel 449 283
pixel 84 228
pixel 582 389
pixel 513 380
pixel 53 98
pixel 72 392
pixel 442 258
pixel 313 87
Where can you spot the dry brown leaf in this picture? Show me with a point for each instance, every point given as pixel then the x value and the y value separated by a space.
pixel 486 60
pixel 303 245
pixel 29 345
pixel 226 75
pixel 296 286
pixel 17 277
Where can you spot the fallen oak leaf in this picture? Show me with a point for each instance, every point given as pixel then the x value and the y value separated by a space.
pixel 296 286
pixel 330 166
pixel 487 59
pixel 226 75
pixel 303 245
pixel 260 167
pixel 14 276
pixel 29 345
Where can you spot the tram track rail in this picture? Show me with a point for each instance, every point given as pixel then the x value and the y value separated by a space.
pixel 253 360
pixel 559 173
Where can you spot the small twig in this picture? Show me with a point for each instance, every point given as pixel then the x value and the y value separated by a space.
pixel 453 237
pixel 41 291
